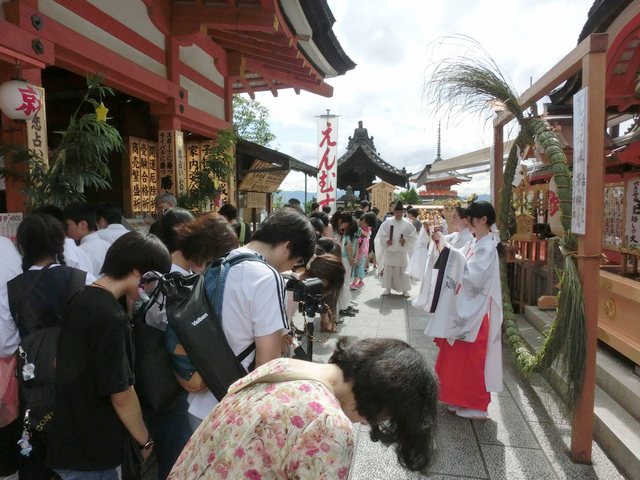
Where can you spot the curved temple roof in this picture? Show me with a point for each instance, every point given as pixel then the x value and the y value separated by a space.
pixel 360 164
pixel 271 44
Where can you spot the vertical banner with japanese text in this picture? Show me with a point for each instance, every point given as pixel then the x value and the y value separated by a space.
pixel 579 194
pixel 37 131
pixel 166 162
pixel 632 223
pixel 181 163
pixel 327 160
pixel 143 176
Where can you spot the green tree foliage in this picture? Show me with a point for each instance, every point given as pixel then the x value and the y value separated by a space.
pixel 410 197
pixel 206 182
pixel 79 161
pixel 251 121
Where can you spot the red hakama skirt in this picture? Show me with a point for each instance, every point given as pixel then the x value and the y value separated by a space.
pixel 460 370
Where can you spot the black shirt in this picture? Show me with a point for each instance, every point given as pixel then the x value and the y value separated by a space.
pixel 94 360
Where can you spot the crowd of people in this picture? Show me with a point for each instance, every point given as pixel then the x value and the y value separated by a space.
pixel 77 281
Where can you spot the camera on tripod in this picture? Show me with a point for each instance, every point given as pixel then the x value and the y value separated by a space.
pixel 309 294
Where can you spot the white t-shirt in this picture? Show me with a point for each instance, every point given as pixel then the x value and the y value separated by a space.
pixel 10 267
pixel 253 306
pixel 113 232
pixel 77 258
pixel 96 250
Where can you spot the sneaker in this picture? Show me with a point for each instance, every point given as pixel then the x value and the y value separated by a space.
pixel 472 414
pixel 360 284
pixel 406 294
pixel 387 291
pixel 347 313
pixel 352 286
pixel 453 408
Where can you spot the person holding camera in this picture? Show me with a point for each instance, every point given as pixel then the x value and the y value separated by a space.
pixel 253 305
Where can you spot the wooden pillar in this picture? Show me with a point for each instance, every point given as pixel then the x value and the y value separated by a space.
pixel 497 167
pixel 590 245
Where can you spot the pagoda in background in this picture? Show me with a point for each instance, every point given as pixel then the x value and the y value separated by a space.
pixel 438 185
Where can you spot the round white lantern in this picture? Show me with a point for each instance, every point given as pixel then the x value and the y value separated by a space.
pixel 19 100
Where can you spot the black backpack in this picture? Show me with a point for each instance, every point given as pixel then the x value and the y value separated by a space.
pixel 194 314
pixel 37 300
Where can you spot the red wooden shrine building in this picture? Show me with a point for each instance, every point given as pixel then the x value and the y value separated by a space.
pixel 174 65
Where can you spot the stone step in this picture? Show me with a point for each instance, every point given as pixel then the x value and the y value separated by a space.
pixel 616 429
pixel 613 374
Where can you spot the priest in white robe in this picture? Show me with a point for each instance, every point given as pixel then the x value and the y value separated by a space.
pixel 394 243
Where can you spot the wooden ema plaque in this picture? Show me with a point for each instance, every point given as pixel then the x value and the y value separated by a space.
pixel 262 181
pixel 141 169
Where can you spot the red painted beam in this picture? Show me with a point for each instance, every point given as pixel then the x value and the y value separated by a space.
pixel 201 80
pixel 81 55
pixel 16 43
pixel 159 14
pixel 223 18
pixel 109 24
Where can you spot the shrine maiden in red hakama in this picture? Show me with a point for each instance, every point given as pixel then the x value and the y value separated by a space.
pixel 467 319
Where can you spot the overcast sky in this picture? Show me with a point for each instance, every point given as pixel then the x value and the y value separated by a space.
pixel 392 43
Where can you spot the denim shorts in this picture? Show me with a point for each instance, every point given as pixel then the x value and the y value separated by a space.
pixel 111 474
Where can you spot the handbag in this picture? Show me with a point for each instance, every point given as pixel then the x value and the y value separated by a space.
pixel 9 390
pixel 156 384
pixel 133 465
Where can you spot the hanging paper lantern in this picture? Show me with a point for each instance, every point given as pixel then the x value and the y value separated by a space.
pixel 19 100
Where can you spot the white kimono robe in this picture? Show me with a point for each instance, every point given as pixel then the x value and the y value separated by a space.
pixel 457 240
pixel 394 258
pixel 470 290
pixel 418 260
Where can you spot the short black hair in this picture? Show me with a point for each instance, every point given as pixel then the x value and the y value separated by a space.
pixel 136 251
pixel 391 378
pixel 322 216
pixel 375 210
pixel 370 219
pixel 326 209
pixel 482 209
pixel 110 212
pixel 170 219
pixel 40 236
pixel 314 205
pixel 79 211
pixel 53 210
pixel 357 213
pixel 229 211
pixel 413 211
pixel 288 225
pixel 365 203
pixel 317 224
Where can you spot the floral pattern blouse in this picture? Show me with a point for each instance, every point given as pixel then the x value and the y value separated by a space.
pixel 289 430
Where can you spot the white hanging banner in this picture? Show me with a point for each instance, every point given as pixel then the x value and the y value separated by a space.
pixel 328 160
pixel 579 196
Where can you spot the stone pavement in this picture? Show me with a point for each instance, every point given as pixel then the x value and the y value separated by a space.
pixel 527 436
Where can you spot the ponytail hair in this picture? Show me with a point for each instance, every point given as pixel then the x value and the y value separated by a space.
pixel 485 209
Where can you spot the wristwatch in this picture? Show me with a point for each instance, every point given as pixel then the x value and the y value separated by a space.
pixel 147 446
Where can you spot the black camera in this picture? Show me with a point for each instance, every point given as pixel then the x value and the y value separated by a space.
pixel 309 294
